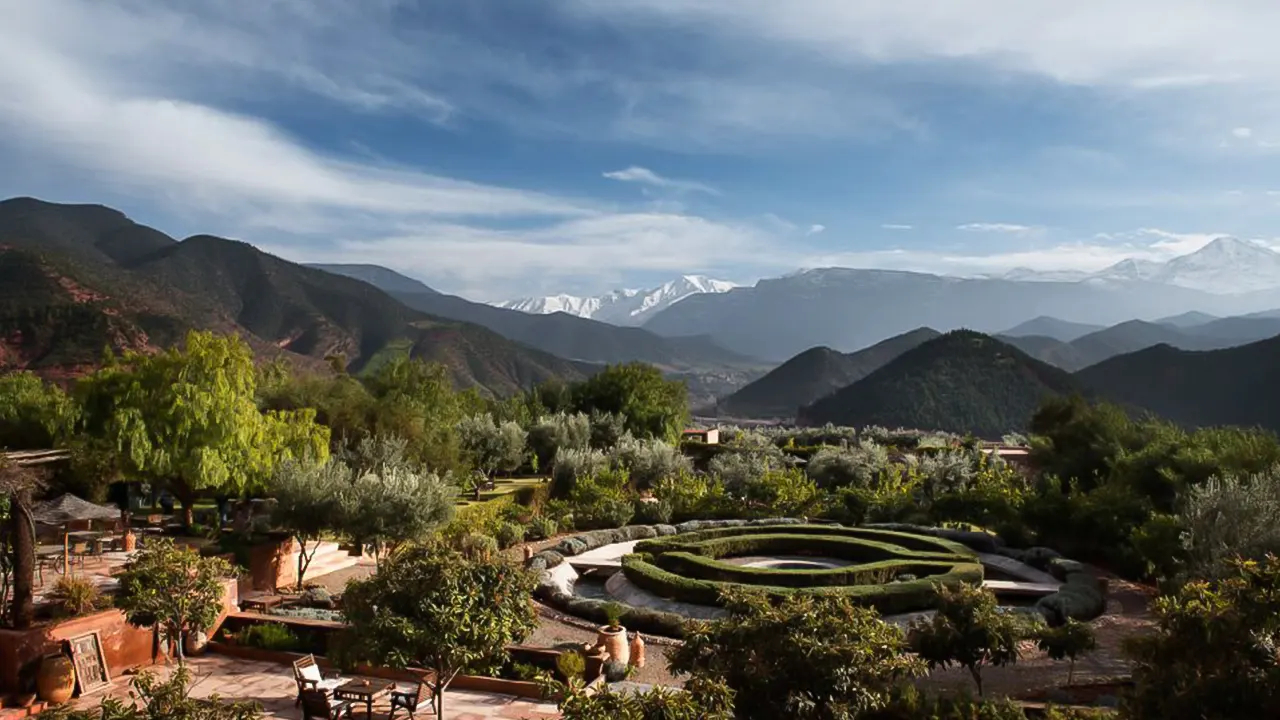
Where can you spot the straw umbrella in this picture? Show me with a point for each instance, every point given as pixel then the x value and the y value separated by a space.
pixel 66 509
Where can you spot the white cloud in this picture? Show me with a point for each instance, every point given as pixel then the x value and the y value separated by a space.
pixel 645 176
pixel 987 227
pixel 491 264
pixel 893 226
pixel 815 229
pixel 1242 132
pixel 1192 42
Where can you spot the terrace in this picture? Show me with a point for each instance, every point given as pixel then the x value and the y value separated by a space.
pixel 272 686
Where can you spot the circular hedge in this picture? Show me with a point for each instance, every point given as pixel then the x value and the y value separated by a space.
pixel 894 572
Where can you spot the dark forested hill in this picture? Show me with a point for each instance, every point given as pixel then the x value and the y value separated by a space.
pixel 814 373
pixel 1233 386
pixel 78 278
pixel 962 381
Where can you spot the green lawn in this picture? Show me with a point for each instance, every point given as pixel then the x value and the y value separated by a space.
pixel 502 487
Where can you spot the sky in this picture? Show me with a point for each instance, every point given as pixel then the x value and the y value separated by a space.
pixel 500 149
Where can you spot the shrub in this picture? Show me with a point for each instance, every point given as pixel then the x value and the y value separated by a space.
pixel 478 546
pixel 75 596
pixel 509 534
pixel 571 466
pixel 1067 641
pixel 541 527
pixel 1231 517
pixel 317 597
pixel 553 433
pixel 268 636
pixel 653 512
pixel 571 665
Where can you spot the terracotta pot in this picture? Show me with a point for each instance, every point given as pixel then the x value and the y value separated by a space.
pixel 637 650
pixel 614 641
pixel 130 541
pixel 56 681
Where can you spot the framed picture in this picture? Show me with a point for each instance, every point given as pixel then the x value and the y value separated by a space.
pixel 90 662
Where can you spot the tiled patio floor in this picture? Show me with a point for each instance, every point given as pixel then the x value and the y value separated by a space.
pixel 272 686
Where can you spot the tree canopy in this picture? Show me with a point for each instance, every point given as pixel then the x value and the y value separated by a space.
pixel 188 418
pixel 652 405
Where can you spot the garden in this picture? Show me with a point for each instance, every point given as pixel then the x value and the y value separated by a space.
pixel 914 555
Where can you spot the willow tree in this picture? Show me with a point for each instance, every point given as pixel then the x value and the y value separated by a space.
pixel 187 419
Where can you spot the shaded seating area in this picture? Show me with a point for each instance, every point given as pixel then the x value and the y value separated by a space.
pixel 412 700
pixel 306 672
pixel 318 705
pixel 66 510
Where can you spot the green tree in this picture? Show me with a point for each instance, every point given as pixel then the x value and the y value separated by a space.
pixel 188 419
pixel 492 447
pixel 393 504
pixel 1228 518
pixel 1213 653
pixel 34 415
pixel 555 432
pixel 434 608
pixel 417 401
pixel 172 588
pixel 308 501
pixel 968 630
pixel 1067 641
pixel 820 658
pixel 652 405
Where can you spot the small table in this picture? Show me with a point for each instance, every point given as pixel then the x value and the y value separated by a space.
pixel 262 602
pixel 364 691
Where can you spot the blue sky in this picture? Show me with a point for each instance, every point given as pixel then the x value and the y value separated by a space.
pixel 496 148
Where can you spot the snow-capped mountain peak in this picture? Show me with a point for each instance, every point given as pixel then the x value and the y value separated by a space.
pixel 622 307
pixel 1225 266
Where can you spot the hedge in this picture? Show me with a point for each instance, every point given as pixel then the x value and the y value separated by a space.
pixel 897 544
pixel 890 598
pixel 704 568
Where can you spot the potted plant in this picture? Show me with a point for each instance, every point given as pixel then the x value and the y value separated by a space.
pixel 612 635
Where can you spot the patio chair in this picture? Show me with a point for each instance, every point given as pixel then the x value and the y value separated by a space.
pixel 316 705
pixel 308 676
pixel 412 700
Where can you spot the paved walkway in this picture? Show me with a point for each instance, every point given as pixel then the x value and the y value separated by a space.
pixel 273 687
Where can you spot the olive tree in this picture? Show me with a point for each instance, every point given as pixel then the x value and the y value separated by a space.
pixel 1229 517
pixel 649 461
pixel 808 657
pixel 553 433
pixel 308 502
pixel 394 504
pixel 492 447
pixel 173 589
pixel 432 607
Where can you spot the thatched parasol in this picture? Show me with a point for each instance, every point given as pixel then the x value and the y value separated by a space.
pixel 66 509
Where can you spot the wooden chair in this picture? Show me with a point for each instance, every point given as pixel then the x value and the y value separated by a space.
pixel 317 705
pixel 306 672
pixel 412 700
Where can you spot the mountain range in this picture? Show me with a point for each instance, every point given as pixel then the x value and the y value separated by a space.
pixel 1225 265
pixel 77 278
pixel 627 307
pixel 967 382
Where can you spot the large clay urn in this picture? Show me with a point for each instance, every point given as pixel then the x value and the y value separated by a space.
pixel 613 638
pixel 56 680
pixel 637 651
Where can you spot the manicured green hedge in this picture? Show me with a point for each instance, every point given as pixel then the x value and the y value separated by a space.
pixel 890 598
pixel 898 544
pixel 873 573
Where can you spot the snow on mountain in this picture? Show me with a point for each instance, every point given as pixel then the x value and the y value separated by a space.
pixel 1226 266
pixel 622 307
